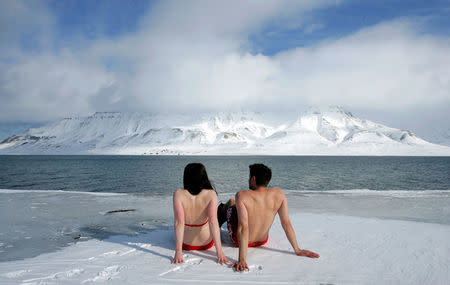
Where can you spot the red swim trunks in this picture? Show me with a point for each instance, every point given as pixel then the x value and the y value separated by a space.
pixel 232 224
pixel 198 247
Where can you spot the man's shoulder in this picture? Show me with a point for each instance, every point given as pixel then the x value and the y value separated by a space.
pixel 243 194
pixel 277 192
pixel 276 189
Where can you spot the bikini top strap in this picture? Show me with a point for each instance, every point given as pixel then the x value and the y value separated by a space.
pixel 189 225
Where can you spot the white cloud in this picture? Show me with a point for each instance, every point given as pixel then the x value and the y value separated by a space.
pixel 46 87
pixel 195 56
pixel 388 66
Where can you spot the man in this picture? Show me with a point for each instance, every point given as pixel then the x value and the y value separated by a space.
pixel 251 215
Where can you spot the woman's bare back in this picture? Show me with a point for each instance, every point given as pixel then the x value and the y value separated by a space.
pixel 196 213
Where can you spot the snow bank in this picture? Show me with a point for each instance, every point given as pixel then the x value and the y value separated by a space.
pixel 353 251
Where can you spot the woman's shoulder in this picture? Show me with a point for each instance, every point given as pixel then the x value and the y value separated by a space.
pixel 204 194
pixel 208 193
pixel 180 192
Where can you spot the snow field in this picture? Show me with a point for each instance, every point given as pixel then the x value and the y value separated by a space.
pixel 353 251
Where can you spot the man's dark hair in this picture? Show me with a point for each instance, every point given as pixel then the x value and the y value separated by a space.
pixel 195 178
pixel 262 173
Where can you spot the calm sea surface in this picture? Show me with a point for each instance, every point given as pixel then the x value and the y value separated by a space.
pixel 160 175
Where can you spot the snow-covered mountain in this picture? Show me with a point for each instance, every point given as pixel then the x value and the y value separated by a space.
pixel 333 131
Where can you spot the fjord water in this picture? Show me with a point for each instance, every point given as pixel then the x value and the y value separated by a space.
pixel 160 175
pixel 77 192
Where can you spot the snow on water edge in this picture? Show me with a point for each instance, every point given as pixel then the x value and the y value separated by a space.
pixel 362 192
pixel 393 193
pixel 16 191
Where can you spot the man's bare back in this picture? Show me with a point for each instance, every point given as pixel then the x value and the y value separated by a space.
pixel 256 210
pixel 261 206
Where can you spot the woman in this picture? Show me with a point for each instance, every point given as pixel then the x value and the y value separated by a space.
pixel 195 212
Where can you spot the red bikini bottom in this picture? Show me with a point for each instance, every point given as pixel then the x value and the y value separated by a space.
pixel 252 244
pixel 198 247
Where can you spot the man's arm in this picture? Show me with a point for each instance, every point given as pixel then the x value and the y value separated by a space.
pixel 178 213
pixel 241 264
pixel 283 212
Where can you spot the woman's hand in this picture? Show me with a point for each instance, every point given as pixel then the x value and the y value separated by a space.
pixel 222 259
pixel 178 258
pixel 307 253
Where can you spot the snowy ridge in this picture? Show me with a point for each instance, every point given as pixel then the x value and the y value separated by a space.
pixel 331 131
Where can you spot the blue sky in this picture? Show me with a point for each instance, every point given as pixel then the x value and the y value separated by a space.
pixel 384 60
pixel 91 20
pixel 341 20
pixel 94 19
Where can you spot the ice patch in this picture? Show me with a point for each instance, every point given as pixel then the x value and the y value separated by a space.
pixel 128 252
pixel 140 244
pixel 111 253
pixel 15 274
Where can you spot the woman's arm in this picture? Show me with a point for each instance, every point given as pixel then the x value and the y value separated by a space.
pixel 178 213
pixel 214 228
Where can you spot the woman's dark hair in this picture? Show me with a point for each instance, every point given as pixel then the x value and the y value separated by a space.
pixel 195 178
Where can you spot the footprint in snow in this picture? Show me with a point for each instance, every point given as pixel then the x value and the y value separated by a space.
pixel 106 274
pixel 254 269
pixel 58 275
pixel 187 265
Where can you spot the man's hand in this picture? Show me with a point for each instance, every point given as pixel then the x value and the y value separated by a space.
pixel 307 253
pixel 178 258
pixel 222 259
pixel 240 266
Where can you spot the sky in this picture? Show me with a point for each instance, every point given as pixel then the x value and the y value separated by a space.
pixel 386 61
